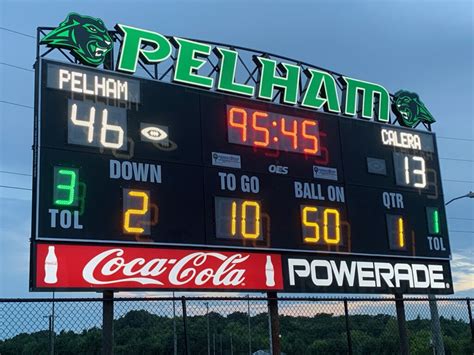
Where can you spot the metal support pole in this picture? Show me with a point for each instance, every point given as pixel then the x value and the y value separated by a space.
pixel 187 350
pixel 214 343
pixel 53 318
pixel 231 345
pixel 471 323
pixel 108 323
pixel 436 334
pixel 51 351
pixel 175 337
pixel 52 335
pixel 274 323
pixel 208 330
pixel 348 329
pixel 250 333
pixel 402 328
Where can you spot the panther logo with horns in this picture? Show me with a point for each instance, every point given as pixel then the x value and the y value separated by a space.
pixel 86 37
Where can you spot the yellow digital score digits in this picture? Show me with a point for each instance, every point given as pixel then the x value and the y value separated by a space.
pixel 315 227
pixel 396 232
pixel 401 234
pixel 256 233
pixel 143 196
pixel 238 219
pixel 311 222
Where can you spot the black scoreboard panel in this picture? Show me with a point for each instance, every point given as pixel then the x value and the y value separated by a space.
pixel 124 159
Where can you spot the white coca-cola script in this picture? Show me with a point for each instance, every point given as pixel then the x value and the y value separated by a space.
pixel 199 268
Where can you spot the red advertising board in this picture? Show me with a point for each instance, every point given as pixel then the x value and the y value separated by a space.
pixel 66 266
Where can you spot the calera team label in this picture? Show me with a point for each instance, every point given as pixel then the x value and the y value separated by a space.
pixel 330 274
pixel 118 267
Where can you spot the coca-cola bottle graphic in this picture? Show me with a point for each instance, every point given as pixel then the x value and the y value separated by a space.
pixel 51 267
pixel 269 272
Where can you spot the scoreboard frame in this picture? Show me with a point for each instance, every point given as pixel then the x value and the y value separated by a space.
pixel 303 263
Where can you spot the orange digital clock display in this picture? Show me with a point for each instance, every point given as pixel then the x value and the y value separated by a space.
pixel 271 130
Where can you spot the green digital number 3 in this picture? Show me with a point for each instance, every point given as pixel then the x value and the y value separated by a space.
pixel 66 183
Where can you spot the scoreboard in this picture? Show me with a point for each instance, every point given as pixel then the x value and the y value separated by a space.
pixel 140 184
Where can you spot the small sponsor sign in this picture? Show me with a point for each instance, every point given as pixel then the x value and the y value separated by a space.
pixel 227 160
pixel 323 172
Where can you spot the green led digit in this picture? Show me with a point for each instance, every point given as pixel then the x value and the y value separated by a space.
pixel 436 222
pixel 65 186
pixel 432 216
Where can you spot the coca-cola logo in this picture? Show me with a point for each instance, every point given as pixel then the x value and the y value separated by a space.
pixel 196 269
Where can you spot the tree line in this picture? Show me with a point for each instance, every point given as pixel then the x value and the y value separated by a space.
pixel 142 332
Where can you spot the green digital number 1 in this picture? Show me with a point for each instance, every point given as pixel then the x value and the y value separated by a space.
pixel 65 183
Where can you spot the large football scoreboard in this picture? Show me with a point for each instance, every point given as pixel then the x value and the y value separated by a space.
pixel 132 176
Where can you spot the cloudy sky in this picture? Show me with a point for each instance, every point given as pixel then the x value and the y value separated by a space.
pixel 423 46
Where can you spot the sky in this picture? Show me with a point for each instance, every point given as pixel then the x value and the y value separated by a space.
pixel 421 46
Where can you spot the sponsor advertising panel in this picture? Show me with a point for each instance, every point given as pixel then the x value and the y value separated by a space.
pixel 81 267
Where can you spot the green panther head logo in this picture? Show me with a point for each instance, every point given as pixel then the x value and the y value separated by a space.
pixel 409 109
pixel 85 36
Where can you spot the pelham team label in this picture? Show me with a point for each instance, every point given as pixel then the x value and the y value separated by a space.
pixel 362 275
pixel 118 267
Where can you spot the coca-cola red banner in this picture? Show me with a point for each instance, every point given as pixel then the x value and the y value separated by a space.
pixel 66 266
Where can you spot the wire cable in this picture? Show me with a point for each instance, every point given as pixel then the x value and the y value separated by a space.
pixel 16 67
pixel 15 187
pixel 17 32
pixel 15 104
pixel 14 173
pixel 456 138
pixel 455 159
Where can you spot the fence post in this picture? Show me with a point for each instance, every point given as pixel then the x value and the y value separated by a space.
pixel 438 343
pixel 248 325
pixel 470 319
pixel 51 349
pixel 348 329
pixel 208 330
pixel 186 340
pixel 402 327
pixel 274 323
pixel 53 318
pixel 108 323
pixel 175 337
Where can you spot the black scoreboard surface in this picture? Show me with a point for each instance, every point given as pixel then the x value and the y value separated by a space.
pixel 130 160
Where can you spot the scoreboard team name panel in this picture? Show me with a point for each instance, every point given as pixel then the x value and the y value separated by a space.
pixel 140 165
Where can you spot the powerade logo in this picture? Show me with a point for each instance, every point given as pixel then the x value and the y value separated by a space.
pixel 89 41
pixel 364 274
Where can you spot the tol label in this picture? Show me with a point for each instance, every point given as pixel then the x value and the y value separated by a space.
pixel 67 219
pixel 436 243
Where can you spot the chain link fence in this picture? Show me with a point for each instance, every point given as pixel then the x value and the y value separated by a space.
pixel 237 325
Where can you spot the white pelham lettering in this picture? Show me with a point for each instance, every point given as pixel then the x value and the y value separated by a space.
pixel 187 270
